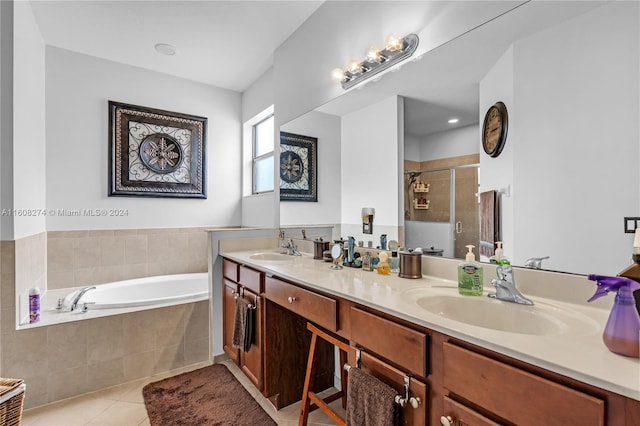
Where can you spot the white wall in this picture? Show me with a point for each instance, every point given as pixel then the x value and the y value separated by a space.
pixel 6 118
pixel 451 143
pixel 78 88
pixel 497 173
pixel 327 128
pixel 29 122
pixel 370 168
pixel 562 206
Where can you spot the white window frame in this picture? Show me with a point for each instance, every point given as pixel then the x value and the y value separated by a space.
pixel 248 145
pixel 255 159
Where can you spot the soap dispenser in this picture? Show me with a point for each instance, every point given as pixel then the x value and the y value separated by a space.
pixel 622 332
pixel 470 275
pixel 498 257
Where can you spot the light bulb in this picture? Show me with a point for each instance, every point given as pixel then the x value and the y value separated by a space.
pixel 373 55
pixel 453 121
pixel 394 42
pixel 354 67
pixel 337 74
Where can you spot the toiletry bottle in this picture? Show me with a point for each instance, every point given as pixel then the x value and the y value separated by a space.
pixel 470 275
pixel 383 241
pixel 394 261
pixel 34 305
pixel 383 266
pixel 622 332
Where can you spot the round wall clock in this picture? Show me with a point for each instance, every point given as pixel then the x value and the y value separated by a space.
pixel 494 129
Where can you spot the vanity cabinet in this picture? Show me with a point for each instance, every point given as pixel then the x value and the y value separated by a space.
pixel 249 285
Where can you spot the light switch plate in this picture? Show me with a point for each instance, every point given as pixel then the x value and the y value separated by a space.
pixel 630 224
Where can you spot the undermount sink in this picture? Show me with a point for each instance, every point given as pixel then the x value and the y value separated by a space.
pixel 271 256
pixel 485 312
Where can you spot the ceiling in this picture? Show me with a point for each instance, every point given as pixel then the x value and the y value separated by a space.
pixel 228 44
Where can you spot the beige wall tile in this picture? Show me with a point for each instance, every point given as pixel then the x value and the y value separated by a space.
pixel 139 332
pixel 169 357
pixel 60 254
pixel 105 373
pixel 138 365
pixel 112 251
pixel 66 383
pixel 197 321
pixel 67 345
pixel 8 257
pixel 196 351
pixel 135 249
pixel 24 353
pixel 60 279
pixel 7 290
pixel 104 339
pixel 87 253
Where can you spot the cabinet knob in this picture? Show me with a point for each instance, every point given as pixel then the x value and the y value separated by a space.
pixel 447 421
pixel 291 299
pixel 415 402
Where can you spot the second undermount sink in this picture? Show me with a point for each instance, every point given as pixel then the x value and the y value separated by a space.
pixel 271 256
pixel 485 312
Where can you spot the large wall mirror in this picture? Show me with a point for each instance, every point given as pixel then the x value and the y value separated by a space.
pixel 568 73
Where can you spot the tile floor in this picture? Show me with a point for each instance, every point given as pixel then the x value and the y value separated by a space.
pixel 123 405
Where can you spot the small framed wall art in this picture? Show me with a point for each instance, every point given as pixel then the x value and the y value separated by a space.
pixel 156 153
pixel 298 162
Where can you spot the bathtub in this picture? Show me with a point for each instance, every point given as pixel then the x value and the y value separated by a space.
pixel 159 290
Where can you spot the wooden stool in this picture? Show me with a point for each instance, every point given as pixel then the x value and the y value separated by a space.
pixel 309 396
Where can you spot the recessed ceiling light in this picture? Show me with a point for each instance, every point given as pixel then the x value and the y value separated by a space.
pixel 453 121
pixel 165 49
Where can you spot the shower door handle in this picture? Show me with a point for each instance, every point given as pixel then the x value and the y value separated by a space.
pixel 458 227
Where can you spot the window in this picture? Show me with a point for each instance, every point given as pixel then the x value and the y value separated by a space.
pixel 263 160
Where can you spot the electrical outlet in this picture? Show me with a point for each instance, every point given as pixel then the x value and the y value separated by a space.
pixel 630 224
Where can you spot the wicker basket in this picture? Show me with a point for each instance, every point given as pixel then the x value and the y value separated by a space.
pixel 11 401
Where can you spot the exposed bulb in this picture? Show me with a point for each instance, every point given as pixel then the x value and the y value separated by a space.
pixel 374 55
pixel 338 74
pixel 354 67
pixel 394 42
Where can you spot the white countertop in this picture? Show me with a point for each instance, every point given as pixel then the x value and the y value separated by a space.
pixel 574 351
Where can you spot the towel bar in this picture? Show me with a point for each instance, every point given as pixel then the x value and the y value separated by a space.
pixel 400 400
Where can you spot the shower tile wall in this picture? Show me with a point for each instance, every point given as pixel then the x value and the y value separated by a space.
pixel 79 258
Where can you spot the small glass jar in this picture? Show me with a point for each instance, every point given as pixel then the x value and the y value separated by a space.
pixel 394 262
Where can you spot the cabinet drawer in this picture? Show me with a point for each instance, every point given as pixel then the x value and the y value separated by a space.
pixel 251 279
pixel 406 347
pixel 516 395
pixel 315 307
pixel 230 270
pixel 461 415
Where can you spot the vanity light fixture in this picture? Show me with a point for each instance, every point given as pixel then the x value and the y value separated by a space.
pixel 396 50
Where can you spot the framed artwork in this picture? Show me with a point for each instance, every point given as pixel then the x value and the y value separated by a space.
pixel 298 165
pixel 156 153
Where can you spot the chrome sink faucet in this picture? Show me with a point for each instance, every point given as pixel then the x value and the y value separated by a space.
pixel 506 287
pixel 535 262
pixel 70 303
pixel 291 248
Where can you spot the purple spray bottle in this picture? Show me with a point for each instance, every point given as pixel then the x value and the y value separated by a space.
pixel 622 332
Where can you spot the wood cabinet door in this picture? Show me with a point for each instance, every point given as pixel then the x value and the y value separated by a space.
pixel 251 361
pixel 228 317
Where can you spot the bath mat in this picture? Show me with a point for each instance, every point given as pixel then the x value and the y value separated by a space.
pixel 207 396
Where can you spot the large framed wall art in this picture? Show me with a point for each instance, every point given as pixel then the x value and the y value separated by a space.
pixel 298 167
pixel 156 153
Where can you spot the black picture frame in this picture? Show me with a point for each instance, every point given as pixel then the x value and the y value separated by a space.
pixel 298 167
pixel 156 153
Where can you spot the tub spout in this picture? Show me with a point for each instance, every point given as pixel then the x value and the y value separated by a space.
pixel 70 302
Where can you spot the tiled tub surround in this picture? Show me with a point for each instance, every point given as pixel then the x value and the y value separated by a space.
pixel 80 258
pixel 63 360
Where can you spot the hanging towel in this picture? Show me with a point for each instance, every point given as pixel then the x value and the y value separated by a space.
pixel 370 402
pixel 249 328
pixel 242 325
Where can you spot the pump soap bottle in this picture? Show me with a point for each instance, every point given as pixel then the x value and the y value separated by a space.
pixel 622 332
pixel 470 275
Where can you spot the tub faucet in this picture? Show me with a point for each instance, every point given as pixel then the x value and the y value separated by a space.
pixel 535 262
pixel 70 302
pixel 291 248
pixel 506 287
